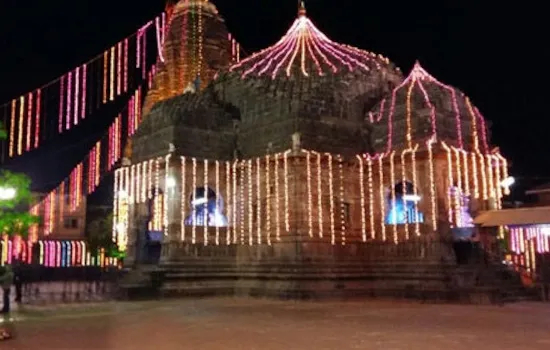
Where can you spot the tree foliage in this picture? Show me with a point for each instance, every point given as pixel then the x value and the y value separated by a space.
pixel 14 216
pixel 99 235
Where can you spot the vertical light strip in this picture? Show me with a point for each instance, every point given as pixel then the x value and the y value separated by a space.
pixel 362 194
pixel 277 200
pixel 193 200
pixel 258 201
pixel 235 219
pixel 205 206
pixel 342 199
pixel 309 196
pixel 319 194
pixel 404 194
pixel 241 200
pixel 415 191
pixel 392 192
pixel 287 208
pixel 229 202
pixel 183 196
pixel 382 197
pixel 371 198
pixel 268 198
pixel 331 194
pixel 250 205
pixel 218 201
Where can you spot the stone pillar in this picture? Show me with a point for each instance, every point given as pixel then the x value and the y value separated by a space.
pixel 172 191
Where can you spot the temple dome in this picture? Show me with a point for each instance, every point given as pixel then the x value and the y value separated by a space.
pixel 422 108
pixel 196 46
pixel 305 51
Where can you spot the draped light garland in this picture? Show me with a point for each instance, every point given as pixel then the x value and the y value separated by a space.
pixel 53 253
pixel 76 90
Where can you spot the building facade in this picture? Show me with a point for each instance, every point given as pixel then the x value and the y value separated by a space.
pixel 307 152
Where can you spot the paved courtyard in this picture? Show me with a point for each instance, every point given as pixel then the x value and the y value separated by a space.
pixel 262 324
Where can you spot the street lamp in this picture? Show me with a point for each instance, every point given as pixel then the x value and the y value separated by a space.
pixel 7 193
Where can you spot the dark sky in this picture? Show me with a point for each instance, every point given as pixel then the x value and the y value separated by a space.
pixel 497 54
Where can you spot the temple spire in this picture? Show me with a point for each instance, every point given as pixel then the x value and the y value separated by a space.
pixel 301 8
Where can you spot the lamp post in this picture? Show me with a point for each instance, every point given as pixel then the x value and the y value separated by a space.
pixel 7 193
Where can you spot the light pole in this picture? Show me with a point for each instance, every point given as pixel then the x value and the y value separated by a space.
pixel 7 193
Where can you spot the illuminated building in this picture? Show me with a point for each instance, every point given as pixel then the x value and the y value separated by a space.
pixel 308 155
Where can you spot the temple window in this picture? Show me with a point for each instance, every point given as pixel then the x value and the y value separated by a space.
pixel 461 208
pixel 206 209
pixel 404 209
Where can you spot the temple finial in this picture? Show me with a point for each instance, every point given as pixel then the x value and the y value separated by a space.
pixel 301 8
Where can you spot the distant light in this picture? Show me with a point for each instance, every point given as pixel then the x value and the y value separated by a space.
pixel 120 227
pixel 507 182
pixel 170 182
pixel 411 198
pixel 122 194
pixel 7 193
pixel 199 201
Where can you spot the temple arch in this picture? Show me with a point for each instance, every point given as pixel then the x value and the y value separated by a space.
pixel 404 209
pixel 206 208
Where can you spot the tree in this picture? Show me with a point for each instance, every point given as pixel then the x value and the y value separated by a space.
pixel 15 219
pixel 99 235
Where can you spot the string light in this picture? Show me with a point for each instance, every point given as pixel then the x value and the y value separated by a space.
pixel 490 178
pixel 166 193
pixel 382 200
pixel 20 128
pixel 234 216
pixel 277 199
pixel 415 191
pixel 258 201
pixel 119 74
pixel 159 31
pixel 331 196
pixel 392 192
pixel 12 127
pixel 68 114
pixel 309 195
pixel 84 91
pixel 319 194
pixel 362 193
pixel 105 75
pixel 205 205
pixel 194 198
pixel 268 197
pixel 61 103
pixel 76 95
pixel 37 118
pixel 404 194
pixel 126 65
pixel 371 198
pixel 432 183
pixel 304 40
pixel 342 199
pixel 218 200
pixel 450 184
pixel 112 74
pixel 250 206
pixel 29 121
pixel 227 167
pixel 287 207
pixel 241 201
pixel 183 195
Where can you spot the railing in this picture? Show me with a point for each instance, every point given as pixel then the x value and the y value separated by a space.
pixel 41 285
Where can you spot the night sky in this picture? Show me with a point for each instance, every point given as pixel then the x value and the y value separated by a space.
pixel 498 55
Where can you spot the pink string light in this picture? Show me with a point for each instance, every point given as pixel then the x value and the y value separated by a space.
pixel 76 95
pixel 84 87
pixel 61 103
pixel 304 47
pixel 126 65
pixel 119 76
pixel 420 79
pixel 37 118
pixel 69 101
pixel 159 32
pixel 30 104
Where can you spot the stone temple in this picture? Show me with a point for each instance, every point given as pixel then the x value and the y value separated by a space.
pixel 308 169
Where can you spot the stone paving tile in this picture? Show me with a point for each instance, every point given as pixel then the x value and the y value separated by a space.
pixel 263 324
